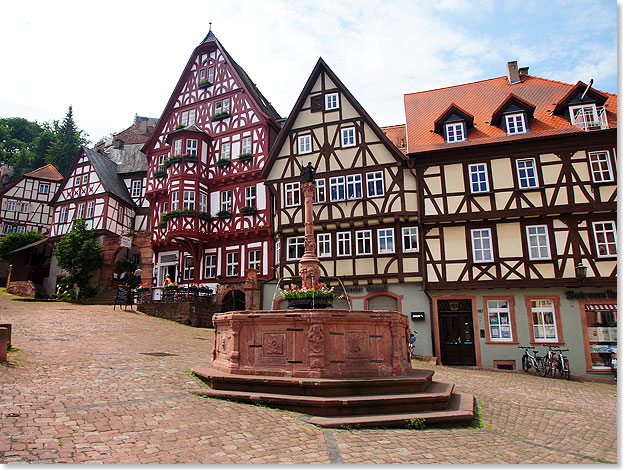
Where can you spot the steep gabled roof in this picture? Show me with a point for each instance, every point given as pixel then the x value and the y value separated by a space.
pixel 321 66
pixel 482 99
pixel 46 172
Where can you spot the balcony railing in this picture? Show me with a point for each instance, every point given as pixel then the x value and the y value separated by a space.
pixel 590 119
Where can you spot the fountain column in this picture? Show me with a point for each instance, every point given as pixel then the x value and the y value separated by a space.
pixel 309 266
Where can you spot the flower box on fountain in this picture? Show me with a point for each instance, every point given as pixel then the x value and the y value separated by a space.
pixel 318 296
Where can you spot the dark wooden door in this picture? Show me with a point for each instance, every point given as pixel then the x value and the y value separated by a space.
pixel 234 300
pixel 456 333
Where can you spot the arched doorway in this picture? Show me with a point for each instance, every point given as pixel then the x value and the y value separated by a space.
pixel 233 300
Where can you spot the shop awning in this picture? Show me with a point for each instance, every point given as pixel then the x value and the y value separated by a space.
pixel 601 307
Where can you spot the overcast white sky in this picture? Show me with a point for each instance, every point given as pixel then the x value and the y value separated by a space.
pixel 112 59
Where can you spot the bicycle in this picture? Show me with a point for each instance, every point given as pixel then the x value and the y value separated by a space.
pixel 528 361
pixel 560 364
pixel 548 361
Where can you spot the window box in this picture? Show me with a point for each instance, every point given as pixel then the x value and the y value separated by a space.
pixel 179 126
pixel 162 224
pixel 307 303
pixel 177 213
pixel 205 216
pixel 223 214
pixel 223 162
pixel 219 116
pixel 160 174
pixel 191 158
pixel 172 159
pixel 205 83
pixel 245 157
pixel 248 210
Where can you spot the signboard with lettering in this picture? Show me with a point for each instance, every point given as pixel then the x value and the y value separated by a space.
pixel 126 242
pixel 123 296
pixel 417 316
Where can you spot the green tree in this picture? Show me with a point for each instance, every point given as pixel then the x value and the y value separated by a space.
pixel 79 254
pixel 13 241
pixel 66 144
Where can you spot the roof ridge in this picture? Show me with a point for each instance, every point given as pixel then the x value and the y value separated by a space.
pixel 455 86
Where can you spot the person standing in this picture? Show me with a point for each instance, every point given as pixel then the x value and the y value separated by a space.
pixel 137 276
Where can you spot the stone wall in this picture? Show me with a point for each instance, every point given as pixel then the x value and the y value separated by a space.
pixel 188 313
pixel 21 288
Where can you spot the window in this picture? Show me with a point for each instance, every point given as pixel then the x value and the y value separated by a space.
pixel 85 178
pixel 226 200
pixel 321 191
pixel 454 132
pixel 526 173
pixel 21 229
pixel 90 208
pixel 246 145
pixel 10 206
pixel 202 75
pixel 499 320
pixel 478 178
pixel 331 102
pixel 585 116
pixel 161 161
pixel 305 145
pixel 277 251
pixel 375 184
pixel 189 268
pixel 80 211
pixel 189 200
pixel 211 74
pixel 64 215
pixel 23 207
pixel 336 186
pixel 296 248
pixel 120 215
pixel 226 105
pixel 538 242
pixel 177 147
pixel 255 257
pixel 324 245
pixel 191 146
pixel 218 107
pixel 9 228
pixel 184 120
pixel 482 251
pixel 543 320
pixel 210 264
pixel 515 124
pixel 77 180
pixel 605 239
pixel 293 194
pixel 44 188
pixel 386 240
pixel 232 264
pixel 191 117
pixel 137 188
pixel 410 239
pixel 344 244
pixel 354 187
pixel 364 242
pixel 249 196
pixel 175 200
pixel 203 202
pixel 600 167
pixel 348 137
pixel 225 150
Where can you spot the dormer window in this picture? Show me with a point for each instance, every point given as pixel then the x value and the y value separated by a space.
pixel 512 115
pixel 515 124
pixel 453 124
pixel 585 107
pixel 588 117
pixel 455 132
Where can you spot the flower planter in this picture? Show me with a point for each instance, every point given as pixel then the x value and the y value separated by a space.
pixel 248 210
pixel 223 214
pixel 223 162
pixel 160 174
pixel 245 157
pixel 205 216
pixel 191 158
pixel 205 84
pixel 219 116
pixel 309 303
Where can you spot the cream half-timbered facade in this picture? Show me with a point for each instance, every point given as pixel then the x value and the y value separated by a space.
pixel 365 206
pixel 209 205
pixel 511 214
pixel 24 204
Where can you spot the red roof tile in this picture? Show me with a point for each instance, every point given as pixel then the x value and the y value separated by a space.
pixel 46 172
pixel 397 135
pixel 481 99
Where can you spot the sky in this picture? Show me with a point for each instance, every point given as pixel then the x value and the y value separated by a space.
pixel 114 59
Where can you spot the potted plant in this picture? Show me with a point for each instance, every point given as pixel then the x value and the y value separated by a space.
pixel 223 214
pixel 205 83
pixel 248 210
pixel 318 296
pixel 223 162
pixel 245 157
pixel 179 126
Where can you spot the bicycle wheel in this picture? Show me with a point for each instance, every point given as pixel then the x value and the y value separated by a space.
pixel 525 363
pixel 547 367
pixel 566 371
pixel 556 370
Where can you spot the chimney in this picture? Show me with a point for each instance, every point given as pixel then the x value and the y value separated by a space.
pixel 142 125
pixel 523 70
pixel 512 72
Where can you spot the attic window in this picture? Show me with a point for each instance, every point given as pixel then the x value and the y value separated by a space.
pixel 515 123
pixel 331 102
pixel 455 132
pixel 588 117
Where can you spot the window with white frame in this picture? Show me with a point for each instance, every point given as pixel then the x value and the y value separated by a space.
pixel 364 242
pixel 584 115
pixel 23 207
pixel 211 74
pixel 161 161
pixel 203 202
pixel 344 244
pixel 478 177
pixel 605 239
pixel 354 188
pixel 189 268
pixel 191 116
pixel 305 145
pixel 226 200
pixel 11 206
pixel 225 150
pixel 246 145
pixel 410 242
pixel 348 137
pixel 191 146
pixel 515 124
pixel 323 240
pixel 455 132
pixel 21 229
pixel 77 180
pixel 375 185
pixel 601 170
pixel 226 102
pixel 90 209
pixel 9 228
pixel 499 320
pixel 232 264
pixel 331 101
pixel 538 242
pixel 249 196
pixel 218 107
pixel 165 206
pixel 177 147
pixel 44 188
pixel 184 119
pixel 386 240
pixel 64 215
pixel 175 200
pixel 80 211
pixel 336 188
pixel 137 186
pixel 321 191
pixel 189 200
pixel 255 258
pixel 296 248
pixel 277 252
pixel 482 250
pixel 292 194
pixel 202 75
pixel 543 320
pixel 526 173
pixel 210 266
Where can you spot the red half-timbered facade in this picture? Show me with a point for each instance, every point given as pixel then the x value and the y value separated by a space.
pixel 517 201
pixel 209 206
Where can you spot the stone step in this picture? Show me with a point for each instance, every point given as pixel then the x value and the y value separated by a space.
pixel 436 397
pixel 418 380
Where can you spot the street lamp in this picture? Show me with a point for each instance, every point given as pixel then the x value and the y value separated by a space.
pixel 580 273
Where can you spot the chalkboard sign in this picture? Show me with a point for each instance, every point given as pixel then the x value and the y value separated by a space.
pixel 123 296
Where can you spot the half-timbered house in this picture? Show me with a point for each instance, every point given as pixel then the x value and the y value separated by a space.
pixel 365 207
pixel 517 200
pixel 209 205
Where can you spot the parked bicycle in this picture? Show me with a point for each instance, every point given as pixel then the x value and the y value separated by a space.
pixel 529 361
pixel 548 361
pixel 560 364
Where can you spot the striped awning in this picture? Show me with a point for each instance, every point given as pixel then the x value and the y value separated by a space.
pixel 601 307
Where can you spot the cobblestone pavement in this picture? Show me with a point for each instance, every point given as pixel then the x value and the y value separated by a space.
pixel 80 388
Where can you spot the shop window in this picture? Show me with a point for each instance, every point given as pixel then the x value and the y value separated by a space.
pixel 600 334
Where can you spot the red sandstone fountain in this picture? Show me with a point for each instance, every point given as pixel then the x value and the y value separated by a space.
pixel 343 367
